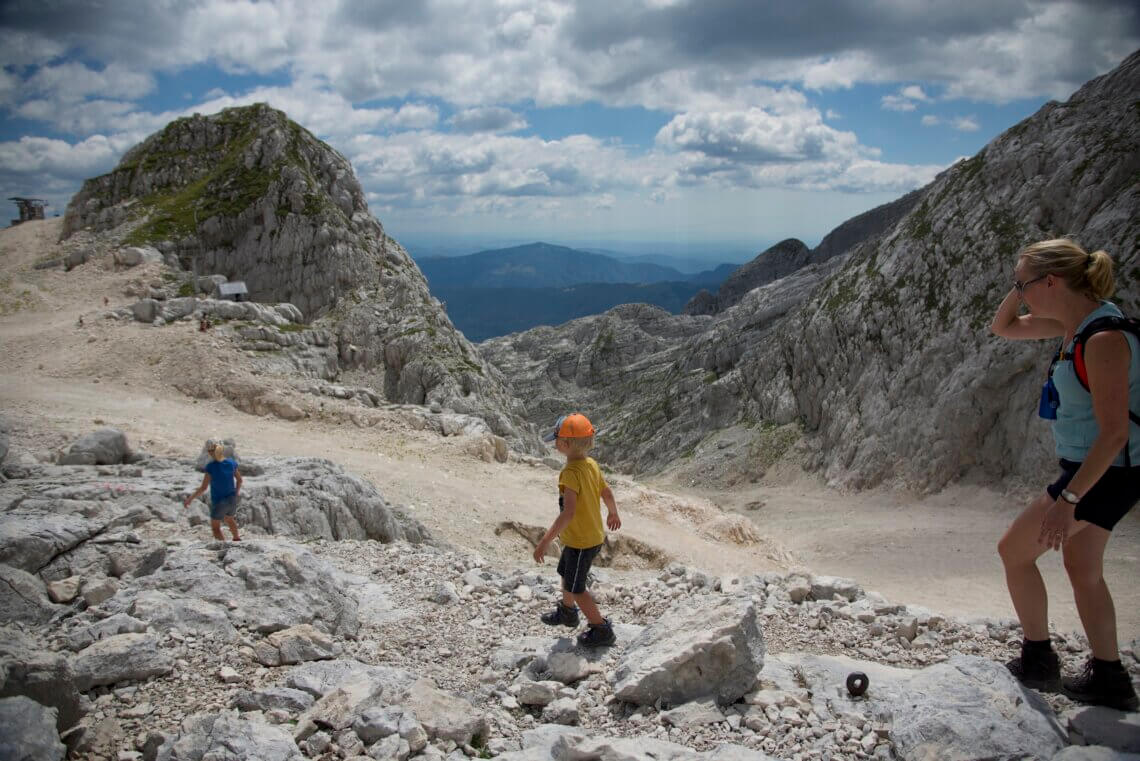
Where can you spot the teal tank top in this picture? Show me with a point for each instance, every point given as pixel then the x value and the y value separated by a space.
pixel 1076 428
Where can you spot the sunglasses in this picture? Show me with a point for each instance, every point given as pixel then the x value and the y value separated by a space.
pixel 1020 286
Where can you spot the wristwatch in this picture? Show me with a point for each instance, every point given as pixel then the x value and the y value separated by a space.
pixel 1069 497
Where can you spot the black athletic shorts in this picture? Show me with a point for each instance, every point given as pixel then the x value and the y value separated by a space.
pixel 574 567
pixel 1110 499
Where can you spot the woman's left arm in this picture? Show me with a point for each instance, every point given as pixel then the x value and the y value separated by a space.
pixel 1107 360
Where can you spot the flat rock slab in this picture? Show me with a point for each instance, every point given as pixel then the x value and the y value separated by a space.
pixel 297 644
pixel 966 707
pixel 123 657
pixel 274 698
pixel 444 715
pixel 694 714
pixel 226 735
pixel 712 646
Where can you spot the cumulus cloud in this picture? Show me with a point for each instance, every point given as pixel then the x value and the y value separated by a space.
pixel 907 99
pixel 559 51
pixel 489 119
pixel 757 136
pixel 728 76
pixel 960 123
pixel 897 103
pixel 965 124
pixel 33 155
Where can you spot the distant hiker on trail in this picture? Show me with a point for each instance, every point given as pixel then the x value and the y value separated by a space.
pixel 224 480
pixel 1092 395
pixel 581 489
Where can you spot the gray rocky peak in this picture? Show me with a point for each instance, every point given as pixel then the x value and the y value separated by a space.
pixel 248 195
pixel 782 259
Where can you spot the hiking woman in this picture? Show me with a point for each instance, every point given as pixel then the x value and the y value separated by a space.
pixel 1093 388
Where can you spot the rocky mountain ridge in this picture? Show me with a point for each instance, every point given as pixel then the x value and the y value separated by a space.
pixel 249 195
pixel 881 356
pixel 789 255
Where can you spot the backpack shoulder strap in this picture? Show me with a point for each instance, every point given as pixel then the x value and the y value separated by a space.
pixel 1099 325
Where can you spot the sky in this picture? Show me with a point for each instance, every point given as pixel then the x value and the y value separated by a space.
pixel 689 123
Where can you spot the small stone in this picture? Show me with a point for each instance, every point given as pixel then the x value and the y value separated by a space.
pixel 229 675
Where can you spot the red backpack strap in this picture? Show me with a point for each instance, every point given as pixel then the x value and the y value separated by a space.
pixel 1099 325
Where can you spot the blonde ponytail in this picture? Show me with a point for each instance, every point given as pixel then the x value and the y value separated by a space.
pixel 1100 278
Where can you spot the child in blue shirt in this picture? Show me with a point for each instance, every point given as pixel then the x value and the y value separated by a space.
pixel 224 480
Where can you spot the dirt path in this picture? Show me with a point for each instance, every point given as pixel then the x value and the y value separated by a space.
pixel 58 380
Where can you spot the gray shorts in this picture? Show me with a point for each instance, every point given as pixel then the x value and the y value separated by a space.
pixel 224 508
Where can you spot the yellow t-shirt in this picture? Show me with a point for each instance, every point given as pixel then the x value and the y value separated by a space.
pixel 584 478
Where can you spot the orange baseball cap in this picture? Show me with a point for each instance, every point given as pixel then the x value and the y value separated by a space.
pixel 572 426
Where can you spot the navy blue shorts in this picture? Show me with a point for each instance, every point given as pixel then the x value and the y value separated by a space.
pixel 224 508
pixel 574 567
pixel 1110 499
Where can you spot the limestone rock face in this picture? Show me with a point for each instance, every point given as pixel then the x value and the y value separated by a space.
pixel 247 194
pixel 880 356
pixel 657 384
pixel 895 368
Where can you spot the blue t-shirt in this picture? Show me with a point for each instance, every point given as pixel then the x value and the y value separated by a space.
pixel 222 484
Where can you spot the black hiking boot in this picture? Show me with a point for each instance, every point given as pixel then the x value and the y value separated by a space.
pixel 561 616
pixel 598 635
pixel 1102 683
pixel 1038 668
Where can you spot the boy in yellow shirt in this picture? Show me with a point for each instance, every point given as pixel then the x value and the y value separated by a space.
pixel 581 489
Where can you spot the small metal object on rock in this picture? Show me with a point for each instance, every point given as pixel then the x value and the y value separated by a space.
pixel 857 683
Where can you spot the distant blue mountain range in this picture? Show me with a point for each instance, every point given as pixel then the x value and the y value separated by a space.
pixel 492 293
pixel 543 265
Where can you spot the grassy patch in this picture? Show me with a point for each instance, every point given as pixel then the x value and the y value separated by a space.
pixel 772 442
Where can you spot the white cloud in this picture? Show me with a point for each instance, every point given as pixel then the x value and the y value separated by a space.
pixel 914 92
pixel 965 124
pixel 906 99
pixel 757 136
pixel 897 103
pixel 489 119
pixel 30 155
pixel 729 83
pixel 73 81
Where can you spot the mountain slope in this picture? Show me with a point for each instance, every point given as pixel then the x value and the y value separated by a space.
pixel 880 356
pixel 249 194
